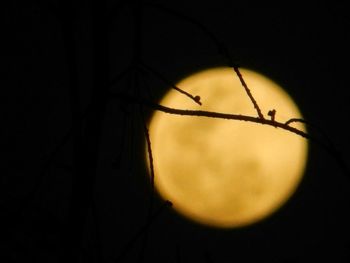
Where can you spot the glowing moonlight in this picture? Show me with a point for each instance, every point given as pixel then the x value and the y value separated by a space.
pixel 225 173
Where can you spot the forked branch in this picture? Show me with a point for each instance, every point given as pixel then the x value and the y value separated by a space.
pixel 238 117
pixel 222 49
pixel 208 114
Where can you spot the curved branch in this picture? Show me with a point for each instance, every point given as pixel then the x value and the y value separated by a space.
pixel 312 125
pixel 326 143
pixel 295 120
pixel 238 117
pixel 209 114
pixel 149 151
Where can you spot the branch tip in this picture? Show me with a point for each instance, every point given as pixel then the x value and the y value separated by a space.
pixel 158 75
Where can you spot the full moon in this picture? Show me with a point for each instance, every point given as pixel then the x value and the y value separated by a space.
pixel 226 173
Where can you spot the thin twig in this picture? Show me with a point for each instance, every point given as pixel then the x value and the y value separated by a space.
pixel 149 152
pixel 136 87
pixel 295 120
pixel 328 144
pixel 147 68
pixel 148 141
pixel 222 49
pixel 311 125
pixel 250 95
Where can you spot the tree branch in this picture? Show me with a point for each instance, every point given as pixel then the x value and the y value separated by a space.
pixel 238 117
pixel 222 49
pixel 250 95
pixel 144 67
pixel 209 114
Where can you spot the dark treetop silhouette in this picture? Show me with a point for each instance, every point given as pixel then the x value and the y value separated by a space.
pixel 82 80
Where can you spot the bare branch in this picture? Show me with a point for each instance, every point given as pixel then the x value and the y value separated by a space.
pixel 238 117
pixel 150 157
pixel 311 125
pixel 222 49
pixel 209 114
pixel 145 67
pixel 295 120
pixel 244 84
pixel 325 142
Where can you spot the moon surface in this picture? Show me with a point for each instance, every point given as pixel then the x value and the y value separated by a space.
pixel 226 173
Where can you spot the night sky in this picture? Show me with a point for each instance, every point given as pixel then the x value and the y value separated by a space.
pixel 304 49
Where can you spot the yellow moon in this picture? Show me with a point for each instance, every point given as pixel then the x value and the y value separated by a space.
pixel 226 173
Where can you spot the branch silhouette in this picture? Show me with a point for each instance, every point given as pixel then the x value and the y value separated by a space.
pixel 221 47
pixel 238 117
pixel 249 93
pixel 196 98
pixel 209 114
pixel 95 111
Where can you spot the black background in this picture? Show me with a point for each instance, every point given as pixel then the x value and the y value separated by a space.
pixel 305 49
